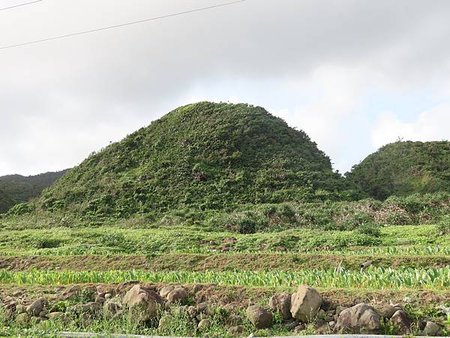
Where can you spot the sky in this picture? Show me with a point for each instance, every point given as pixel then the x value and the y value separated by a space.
pixel 353 74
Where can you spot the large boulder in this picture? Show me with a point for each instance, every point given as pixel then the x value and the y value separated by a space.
pixel 360 318
pixel 142 303
pixel 281 303
pixel 432 329
pixel 37 307
pixel 305 303
pixel 260 317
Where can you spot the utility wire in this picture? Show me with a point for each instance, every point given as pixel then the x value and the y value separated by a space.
pixel 20 5
pixel 59 37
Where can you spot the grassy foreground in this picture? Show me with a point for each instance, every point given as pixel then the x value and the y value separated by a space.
pixel 404 262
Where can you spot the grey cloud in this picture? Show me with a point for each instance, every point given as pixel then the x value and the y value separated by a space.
pixel 91 89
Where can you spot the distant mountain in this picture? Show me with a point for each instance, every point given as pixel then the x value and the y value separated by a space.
pixel 16 189
pixel 202 156
pixel 404 168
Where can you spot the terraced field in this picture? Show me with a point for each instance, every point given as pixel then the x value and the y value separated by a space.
pixel 409 263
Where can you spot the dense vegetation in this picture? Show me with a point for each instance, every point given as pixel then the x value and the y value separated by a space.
pixel 230 195
pixel 201 156
pixel 16 189
pixel 404 168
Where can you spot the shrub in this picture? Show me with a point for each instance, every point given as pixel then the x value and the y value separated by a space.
pixel 443 227
pixel 370 229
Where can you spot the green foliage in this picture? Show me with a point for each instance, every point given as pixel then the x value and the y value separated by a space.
pixel 404 168
pixel 16 189
pixel 204 156
pixel 443 227
pixel 370 229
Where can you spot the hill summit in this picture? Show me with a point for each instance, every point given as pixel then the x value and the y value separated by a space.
pixel 404 168
pixel 203 156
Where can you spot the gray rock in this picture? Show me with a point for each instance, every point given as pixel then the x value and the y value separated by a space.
pixel 57 316
pixel 259 317
pixel 142 304
pixel 305 303
pixel 281 303
pixel 177 295
pixel 37 307
pixel 360 318
pixel 432 329
pixel 401 321
pixel 111 308
pixel 165 291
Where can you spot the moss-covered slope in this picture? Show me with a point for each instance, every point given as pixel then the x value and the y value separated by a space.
pixel 404 168
pixel 203 156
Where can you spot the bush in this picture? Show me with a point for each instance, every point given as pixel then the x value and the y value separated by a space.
pixel 443 227
pixel 370 229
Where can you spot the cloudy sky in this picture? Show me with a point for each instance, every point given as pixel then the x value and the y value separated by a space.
pixel 354 74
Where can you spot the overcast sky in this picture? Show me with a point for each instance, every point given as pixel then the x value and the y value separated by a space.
pixel 353 74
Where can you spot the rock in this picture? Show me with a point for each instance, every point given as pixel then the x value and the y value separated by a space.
pixel 387 310
pixel 111 308
pixel 108 296
pixel 203 324
pixel 192 311
pixel 57 316
pixel 37 307
pixel 22 319
pixel 321 327
pixel 281 303
pixel 299 328
pixel 142 303
pixel 87 310
pixel 43 314
pixel 100 299
pixel 177 295
pixel 236 331
pixel 432 329
pixel 260 317
pixel 202 307
pixel 165 291
pixel 20 308
pixel 197 288
pixel 332 324
pixel 305 303
pixel 360 318
pixel 291 324
pixel 401 321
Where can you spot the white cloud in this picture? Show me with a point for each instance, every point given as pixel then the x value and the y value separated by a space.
pixel 432 125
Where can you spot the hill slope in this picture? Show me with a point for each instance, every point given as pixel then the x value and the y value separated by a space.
pixel 404 168
pixel 16 189
pixel 205 156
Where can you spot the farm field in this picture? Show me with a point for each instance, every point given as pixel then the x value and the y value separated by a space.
pixel 411 264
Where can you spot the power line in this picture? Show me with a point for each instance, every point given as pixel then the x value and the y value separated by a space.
pixel 59 37
pixel 20 5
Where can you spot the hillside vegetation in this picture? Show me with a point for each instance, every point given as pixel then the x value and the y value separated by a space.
pixel 404 168
pixel 16 189
pixel 200 156
pixel 229 210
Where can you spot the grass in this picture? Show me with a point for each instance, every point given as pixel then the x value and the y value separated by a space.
pixel 404 240
pixel 373 278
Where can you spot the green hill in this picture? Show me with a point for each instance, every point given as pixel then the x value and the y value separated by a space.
pixel 404 168
pixel 16 189
pixel 201 156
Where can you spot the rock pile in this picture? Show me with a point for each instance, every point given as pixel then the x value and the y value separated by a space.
pixel 158 307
